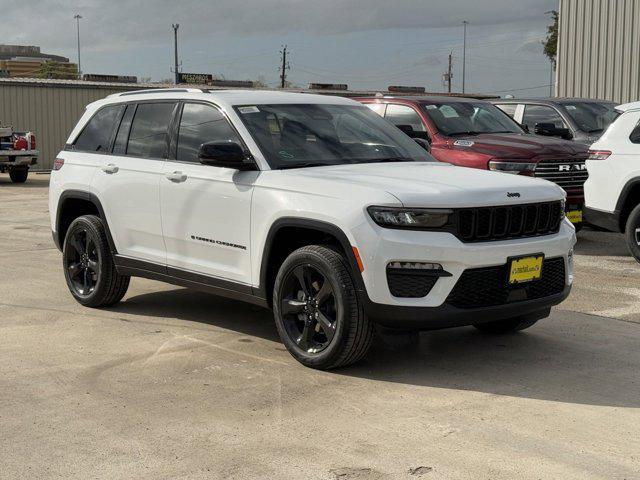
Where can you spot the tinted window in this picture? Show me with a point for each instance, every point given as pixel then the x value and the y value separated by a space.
pixel 403 115
pixel 635 134
pixel 120 145
pixel 148 137
pixel 509 109
pixel 201 124
pixel 307 135
pixel 541 114
pixel 97 134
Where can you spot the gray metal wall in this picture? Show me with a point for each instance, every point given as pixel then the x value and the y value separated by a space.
pixel 50 111
pixel 599 49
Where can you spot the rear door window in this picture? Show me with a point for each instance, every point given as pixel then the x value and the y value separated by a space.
pixel 201 124
pixel 98 133
pixel 541 114
pixel 120 145
pixel 148 137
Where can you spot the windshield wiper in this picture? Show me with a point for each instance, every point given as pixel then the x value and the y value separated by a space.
pixel 385 160
pixel 470 132
pixel 304 165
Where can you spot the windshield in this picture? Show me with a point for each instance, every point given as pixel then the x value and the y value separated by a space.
pixel 591 117
pixel 469 118
pixel 309 135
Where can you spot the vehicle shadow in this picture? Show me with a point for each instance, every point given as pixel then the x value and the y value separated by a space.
pixel 571 357
pixel 592 242
pixel 33 181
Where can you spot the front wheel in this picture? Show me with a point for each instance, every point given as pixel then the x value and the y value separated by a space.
pixel 632 233
pixel 18 175
pixel 317 312
pixel 88 264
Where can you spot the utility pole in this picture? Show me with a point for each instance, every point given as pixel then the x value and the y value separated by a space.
pixel 175 50
pixel 464 53
pixel 78 17
pixel 448 75
pixel 285 66
pixel 551 80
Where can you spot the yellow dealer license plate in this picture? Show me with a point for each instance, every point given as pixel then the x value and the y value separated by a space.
pixel 575 216
pixel 525 269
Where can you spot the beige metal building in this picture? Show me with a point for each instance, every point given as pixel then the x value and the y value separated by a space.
pixel 599 49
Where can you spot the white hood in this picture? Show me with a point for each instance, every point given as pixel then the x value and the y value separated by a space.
pixel 431 184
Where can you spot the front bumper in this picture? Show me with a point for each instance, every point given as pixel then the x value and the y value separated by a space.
pixel 378 247
pixel 447 316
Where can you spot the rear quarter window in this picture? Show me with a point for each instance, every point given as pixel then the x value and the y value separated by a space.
pixel 98 133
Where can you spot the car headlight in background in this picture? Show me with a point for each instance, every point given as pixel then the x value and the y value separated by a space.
pixel 507 166
pixel 418 218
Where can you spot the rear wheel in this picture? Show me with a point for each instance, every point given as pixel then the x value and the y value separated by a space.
pixel 19 175
pixel 632 232
pixel 317 312
pixel 88 264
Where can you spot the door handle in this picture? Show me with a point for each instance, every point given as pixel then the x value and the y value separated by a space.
pixel 110 168
pixel 176 177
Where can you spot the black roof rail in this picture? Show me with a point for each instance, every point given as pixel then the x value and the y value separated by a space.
pixel 155 90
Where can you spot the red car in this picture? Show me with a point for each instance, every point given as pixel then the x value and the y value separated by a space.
pixel 475 133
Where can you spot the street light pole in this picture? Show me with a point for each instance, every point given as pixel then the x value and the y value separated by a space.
pixel 464 53
pixel 78 17
pixel 175 26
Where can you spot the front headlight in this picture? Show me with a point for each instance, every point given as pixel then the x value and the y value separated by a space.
pixel 418 218
pixel 507 166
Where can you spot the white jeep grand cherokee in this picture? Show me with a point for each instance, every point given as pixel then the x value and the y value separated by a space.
pixel 311 205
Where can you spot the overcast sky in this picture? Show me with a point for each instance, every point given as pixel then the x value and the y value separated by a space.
pixel 368 44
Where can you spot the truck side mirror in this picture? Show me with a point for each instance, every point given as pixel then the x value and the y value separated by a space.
pixel 550 130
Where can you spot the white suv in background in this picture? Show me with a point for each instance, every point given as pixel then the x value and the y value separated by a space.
pixel 612 192
pixel 311 205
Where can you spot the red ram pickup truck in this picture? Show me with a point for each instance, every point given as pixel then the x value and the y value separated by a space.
pixel 17 153
pixel 475 133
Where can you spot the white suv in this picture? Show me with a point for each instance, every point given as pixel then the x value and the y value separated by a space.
pixel 311 205
pixel 612 192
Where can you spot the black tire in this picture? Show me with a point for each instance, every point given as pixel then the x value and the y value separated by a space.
pixel 350 331
pixel 88 265
pixel 19 175
pixel 510 325
pixel 632 233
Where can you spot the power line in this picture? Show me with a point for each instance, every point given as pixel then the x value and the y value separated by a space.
pixel 546 85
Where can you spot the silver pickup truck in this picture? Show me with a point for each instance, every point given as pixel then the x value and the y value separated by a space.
pixel 17 153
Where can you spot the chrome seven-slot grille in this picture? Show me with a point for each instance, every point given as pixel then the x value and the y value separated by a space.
pixel 569 174
pixel 485 224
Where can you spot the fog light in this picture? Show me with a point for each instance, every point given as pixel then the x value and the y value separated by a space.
pixel 415 265
pixel 570 266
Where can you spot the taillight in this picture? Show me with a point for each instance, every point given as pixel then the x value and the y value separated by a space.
pixel 32 141
pixel 58 163
pixel 599 154
pixel 20 143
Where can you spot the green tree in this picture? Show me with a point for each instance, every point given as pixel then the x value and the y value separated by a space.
pixel 52 69
pixel 551 42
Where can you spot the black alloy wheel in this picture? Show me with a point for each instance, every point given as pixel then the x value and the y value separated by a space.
pixel 632 232
pixel 309 309
pixel 82 262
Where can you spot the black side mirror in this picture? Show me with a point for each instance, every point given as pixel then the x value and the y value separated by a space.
pixel 550 130
pixel 226 154
pixel 423 143
pixel 415 134
pixel 524 127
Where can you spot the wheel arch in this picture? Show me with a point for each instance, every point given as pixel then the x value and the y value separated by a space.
pixel 73 204
pixel 628 200
pixel 290 233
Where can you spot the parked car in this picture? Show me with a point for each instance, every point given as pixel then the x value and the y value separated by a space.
pixel 613 189
pixel 474 133
pixel 311 205
pixel 579 119
pixel 17 153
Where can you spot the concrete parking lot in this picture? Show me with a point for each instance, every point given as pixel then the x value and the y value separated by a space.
pixel 173 383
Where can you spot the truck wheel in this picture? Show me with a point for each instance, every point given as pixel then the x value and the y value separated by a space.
pixel 512 325
pixel 18 175
pixel 317 312
pixel 632 232
pixel 88 264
